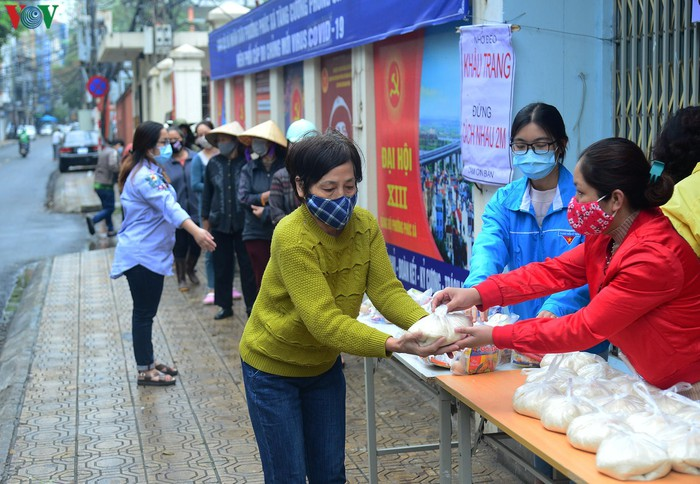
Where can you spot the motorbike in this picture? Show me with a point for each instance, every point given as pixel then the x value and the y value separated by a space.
pixel 23 149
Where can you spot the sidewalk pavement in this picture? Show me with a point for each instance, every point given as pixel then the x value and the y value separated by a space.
pixel 70 409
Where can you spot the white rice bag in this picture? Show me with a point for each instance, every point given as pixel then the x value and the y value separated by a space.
pixel 559 410
pixel 684 452
pixel 631 456
pixel 529 398
pixel 574 361
pixel 586 432
pixel 439 324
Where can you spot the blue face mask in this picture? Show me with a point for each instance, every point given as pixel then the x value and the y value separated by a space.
pixel 335 213
pixel 166 152
pixel 535 166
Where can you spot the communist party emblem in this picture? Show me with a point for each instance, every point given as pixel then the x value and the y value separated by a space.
pixel 394 84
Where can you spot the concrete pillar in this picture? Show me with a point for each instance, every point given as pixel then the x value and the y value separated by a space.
pixel 277 106
pixel 151 106
pixel 165 99
pixel 251 112
pixel 312 91
pixel 364 121
pixel 187 77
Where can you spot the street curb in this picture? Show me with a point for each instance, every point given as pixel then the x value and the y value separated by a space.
pixel 17 354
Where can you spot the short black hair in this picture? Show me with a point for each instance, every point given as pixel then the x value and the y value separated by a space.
pixel 116 141
pixel 546 117
pixel 313 156
pixel 678 144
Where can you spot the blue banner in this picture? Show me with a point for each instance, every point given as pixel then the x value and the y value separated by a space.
pixel 420 272
pixel 284 31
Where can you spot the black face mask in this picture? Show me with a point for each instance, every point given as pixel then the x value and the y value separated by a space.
pixel 227 148
pixel 176 145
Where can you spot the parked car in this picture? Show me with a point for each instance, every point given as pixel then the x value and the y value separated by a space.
pixel 46 129
pixel 79 148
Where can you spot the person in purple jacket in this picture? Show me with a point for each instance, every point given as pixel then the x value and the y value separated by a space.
pixel 144 253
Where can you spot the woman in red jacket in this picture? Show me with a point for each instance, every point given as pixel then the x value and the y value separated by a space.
pixel 643 278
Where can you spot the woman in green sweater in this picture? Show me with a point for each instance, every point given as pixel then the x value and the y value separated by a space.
pixel 324 257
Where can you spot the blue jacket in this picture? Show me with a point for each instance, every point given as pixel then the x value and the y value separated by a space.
pixel 511 237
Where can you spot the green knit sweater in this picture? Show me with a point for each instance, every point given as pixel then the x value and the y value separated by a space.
pixel 305 313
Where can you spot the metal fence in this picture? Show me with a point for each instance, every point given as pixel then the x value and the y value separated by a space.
pixel 657 64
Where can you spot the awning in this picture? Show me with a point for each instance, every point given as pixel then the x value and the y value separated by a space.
pixel 47 118
pixel 285 31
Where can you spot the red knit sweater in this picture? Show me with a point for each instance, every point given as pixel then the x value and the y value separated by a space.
pixel 647 302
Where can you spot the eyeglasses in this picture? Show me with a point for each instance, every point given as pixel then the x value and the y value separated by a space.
pixel 174 140
pixel 538 147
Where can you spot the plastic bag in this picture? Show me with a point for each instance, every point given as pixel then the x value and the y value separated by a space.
pixel 685 452
pixel 634 456
pixel 559 410
pixel 587 431
pixel 441 324
pixel 471 361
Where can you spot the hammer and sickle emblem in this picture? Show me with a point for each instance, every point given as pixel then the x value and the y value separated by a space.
pixel 394 84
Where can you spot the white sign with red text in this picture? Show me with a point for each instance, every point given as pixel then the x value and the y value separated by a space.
pixel 488 68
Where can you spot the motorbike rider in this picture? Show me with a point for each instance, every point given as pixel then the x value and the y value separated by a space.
pixel 23 138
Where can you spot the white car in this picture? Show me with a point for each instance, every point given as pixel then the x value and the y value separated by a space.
pixel 46 130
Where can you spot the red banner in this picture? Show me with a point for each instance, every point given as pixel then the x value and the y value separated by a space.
pixel 397 78
pixel 336 92
pixel 238 100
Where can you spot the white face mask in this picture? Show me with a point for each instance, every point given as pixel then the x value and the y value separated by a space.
pixel 203 143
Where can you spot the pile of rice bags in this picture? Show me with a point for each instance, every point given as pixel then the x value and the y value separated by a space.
pixel 637 431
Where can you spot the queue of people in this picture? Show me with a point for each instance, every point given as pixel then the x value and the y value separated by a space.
pixel 608 254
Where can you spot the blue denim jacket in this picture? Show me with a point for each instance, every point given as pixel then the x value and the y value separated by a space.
pixel 151 215
pixel 512 237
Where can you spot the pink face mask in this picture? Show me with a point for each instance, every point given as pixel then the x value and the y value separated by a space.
pixel 588 218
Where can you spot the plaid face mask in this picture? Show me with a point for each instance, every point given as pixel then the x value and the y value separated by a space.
pixel 335 213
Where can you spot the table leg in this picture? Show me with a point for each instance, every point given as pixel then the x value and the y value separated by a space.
pixel 370 367
pixel 445 437
pixel 464 416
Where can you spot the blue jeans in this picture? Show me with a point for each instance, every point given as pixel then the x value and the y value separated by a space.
pixel 299 423
pixel 209 267
pixel 146 288
pixel 107 199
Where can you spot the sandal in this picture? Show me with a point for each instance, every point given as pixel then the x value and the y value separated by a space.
pixel 166 369
pixel 159 380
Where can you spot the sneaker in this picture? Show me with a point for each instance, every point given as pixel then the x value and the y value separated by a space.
pixel 90 224
pixel 111 233
pixel 209 298
pixel 236 294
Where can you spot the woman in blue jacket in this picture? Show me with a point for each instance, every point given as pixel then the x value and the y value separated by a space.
pixel 525 221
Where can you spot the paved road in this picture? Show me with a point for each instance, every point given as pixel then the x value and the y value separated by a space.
pixel 29 231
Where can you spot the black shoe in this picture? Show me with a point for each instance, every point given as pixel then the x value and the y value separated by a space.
pixel 111 233
pixel 90 224
pixel 224 313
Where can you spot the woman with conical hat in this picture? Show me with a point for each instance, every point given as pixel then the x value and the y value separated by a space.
pixel 222 215
pixel 265 150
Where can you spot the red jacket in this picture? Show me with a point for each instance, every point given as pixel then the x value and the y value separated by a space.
pixel 647 302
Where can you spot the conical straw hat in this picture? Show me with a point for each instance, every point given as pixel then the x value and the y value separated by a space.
pixel 267 130
pixel 234 129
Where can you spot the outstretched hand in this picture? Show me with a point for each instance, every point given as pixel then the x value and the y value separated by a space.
pixel 457 298
pixel 410 343
pixel 205 240
pixel 475 336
